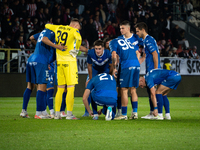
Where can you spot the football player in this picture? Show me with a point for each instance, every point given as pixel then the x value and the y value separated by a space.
pixel 126 47
pixel 37 72
pixel 152 62
pixel 99 61
pixel 67 72
pixel 103 92
pixel 166 81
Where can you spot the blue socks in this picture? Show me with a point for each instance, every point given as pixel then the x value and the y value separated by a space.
pixel 94 107
pixel 159 98
pixel 134 106
pixel 41 100
pixel 50 98
pixel 124 110
pixel 150 102
pixel 151 105
pixel 26 97
pixel 63 105
pixel 89 101
pixel 166 104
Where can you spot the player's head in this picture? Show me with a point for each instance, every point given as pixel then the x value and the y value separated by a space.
pixel 142 82
pixel 106 43
pixel 99 47
pixel 75 23
pixel 141 29
pixel 125 27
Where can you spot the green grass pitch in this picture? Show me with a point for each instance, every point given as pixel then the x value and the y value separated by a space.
pixel 182 132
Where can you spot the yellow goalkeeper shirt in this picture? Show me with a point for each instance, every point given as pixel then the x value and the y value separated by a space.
pixel 69 37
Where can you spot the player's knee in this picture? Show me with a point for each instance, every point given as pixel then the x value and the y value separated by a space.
pixel 133 91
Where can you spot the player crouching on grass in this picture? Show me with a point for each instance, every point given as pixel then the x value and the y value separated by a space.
pixel 103 93
pixel 167 81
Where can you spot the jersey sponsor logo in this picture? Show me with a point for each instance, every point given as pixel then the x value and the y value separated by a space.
pixel 130 68
pixel 65 65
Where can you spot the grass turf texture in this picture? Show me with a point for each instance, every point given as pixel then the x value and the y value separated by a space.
pixel 182 132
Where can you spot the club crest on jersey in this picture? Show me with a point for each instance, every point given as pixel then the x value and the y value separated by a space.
pixel 34 63
pixel 99 59
pixel 135 43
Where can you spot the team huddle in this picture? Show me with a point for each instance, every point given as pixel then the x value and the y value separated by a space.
pixel 111 74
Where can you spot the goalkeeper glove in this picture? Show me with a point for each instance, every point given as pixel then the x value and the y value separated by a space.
pixel 74 52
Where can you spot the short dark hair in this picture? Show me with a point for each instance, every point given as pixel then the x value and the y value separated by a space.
pixel 99 43
pixel 125 22
pixel 142 25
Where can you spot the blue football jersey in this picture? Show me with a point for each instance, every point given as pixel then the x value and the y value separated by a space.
pixel 150 46
pixel 157 76
pixel 126 49
pixel 99 63
pixel 104 85
pixel 43 53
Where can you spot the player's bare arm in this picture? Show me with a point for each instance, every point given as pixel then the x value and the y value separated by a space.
pixel 90 71
pixel 154 101
pixel 155 59
pixel 85 101
pixel 111 69
pixel 114 62
pixel 83 49
pixel 33 39
pixel 48 42
pixel 138 54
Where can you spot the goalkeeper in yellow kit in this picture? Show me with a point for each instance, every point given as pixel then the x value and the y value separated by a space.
pixel 67 72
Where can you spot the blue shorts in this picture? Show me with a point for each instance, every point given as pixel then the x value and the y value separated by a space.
pixel 129 77
pixel 37 73
pixel 103 101
pixel 172 81
pixel 50 83
pixel 96 72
